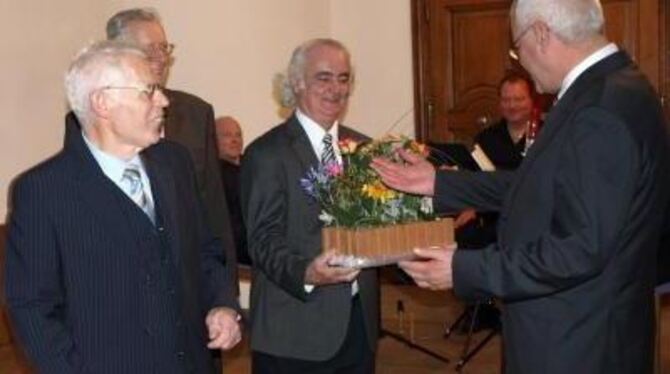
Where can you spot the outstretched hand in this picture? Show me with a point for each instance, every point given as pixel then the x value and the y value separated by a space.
pixel 432 268
pixel 417 176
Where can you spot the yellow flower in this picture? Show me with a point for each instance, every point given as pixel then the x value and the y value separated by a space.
pixel 378 191
pixel 348 146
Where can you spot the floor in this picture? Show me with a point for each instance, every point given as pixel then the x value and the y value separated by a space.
pixel 422 321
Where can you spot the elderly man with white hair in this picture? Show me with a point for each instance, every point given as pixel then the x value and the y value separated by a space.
pixel 580 220
pixel 110 265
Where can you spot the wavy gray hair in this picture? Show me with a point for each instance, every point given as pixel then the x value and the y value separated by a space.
pixel 117 25
pixel 573 21
pixel 94 67
pixel 295 72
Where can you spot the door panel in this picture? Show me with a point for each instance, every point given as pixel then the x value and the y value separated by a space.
pixel 461 52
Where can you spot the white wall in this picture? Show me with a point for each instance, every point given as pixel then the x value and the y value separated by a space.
pixel 227 52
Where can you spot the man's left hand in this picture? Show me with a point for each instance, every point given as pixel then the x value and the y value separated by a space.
pixel 223 326
pixel 432 269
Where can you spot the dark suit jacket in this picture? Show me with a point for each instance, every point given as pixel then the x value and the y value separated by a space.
pixel 79 280
pixel 189 121
pixel 284 236
pixel 578 231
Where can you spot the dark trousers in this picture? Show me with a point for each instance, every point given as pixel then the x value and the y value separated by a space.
pixel 353 357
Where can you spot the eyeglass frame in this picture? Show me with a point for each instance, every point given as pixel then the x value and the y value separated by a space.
pixel 149 90
pixel 514 50
pixel 165 49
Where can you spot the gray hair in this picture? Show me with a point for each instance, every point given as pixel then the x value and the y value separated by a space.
pixel 117 26
pixel 572 21
pixel 295 73
pixel 94 67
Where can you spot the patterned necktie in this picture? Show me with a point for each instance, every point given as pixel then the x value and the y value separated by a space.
pixel 134 188
pixel 328 154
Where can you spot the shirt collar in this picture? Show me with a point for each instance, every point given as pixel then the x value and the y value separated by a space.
pixel 112 166
pixel 591 60
pixel 315 133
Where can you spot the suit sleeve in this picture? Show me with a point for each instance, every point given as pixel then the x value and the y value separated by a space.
pixel 594 190
pixel 215 278
pixel 264 206
pixel 458 190
pixel 216 206
pixel 34 290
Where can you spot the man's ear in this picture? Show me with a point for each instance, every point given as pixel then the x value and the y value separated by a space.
pixel 542 34
pixel 100 103
pixel 298 85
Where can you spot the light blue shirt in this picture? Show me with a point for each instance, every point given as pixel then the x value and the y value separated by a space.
pixel 113 168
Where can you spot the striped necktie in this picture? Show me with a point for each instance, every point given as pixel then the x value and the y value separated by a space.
pixel 134 188
pixel 328 154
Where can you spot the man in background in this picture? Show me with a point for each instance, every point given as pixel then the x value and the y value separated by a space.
pixel 306 316
pixel 580 220
pixel 505 142
pixel 111 267
pixel 189 121
pixel 229 143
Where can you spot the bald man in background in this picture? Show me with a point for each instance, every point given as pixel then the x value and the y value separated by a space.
pixel 229 142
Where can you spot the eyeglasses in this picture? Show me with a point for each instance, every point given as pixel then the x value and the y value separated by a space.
pixel 164 49
pixel 149 90
pixel 514 50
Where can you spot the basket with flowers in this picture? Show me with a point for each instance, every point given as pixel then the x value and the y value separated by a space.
pixel 368 223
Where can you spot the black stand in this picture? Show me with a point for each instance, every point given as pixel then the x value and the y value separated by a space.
pixel 468 354
pixel 411 344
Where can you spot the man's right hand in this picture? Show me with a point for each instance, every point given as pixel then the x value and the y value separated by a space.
pixel 319 272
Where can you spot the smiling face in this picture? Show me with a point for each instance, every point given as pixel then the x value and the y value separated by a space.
pixel 516 103
pixel 324 91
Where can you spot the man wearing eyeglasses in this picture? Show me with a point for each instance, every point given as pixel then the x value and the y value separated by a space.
pixel 110 265
pixel 189 120
pixel 580 220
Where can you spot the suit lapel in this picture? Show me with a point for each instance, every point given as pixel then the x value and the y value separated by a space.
pixel 300 144
pixel 304 154
pixel 98 193
pixel 165 200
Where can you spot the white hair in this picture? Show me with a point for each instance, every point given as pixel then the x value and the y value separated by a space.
pixel 572 21
pixel 295 73
pixel 117 25
pixel 94 67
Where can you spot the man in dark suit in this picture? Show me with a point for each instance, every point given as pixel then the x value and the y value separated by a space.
pixel 110 265
pixel 189 121
pixel 306 316
pixel 580 220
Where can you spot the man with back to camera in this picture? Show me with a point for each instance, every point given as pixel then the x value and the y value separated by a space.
pixel 306 316
pixel 580 220
pixel 110 265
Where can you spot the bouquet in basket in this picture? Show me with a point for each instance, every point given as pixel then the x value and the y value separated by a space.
pixel 365 220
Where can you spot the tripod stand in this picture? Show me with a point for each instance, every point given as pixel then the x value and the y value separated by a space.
pixel 495 327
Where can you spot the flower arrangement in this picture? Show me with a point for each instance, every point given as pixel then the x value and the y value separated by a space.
pixel 355 196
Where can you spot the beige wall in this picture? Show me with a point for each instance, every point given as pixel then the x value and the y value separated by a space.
pixel 227 52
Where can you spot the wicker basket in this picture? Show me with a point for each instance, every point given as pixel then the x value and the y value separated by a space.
pixel 367 247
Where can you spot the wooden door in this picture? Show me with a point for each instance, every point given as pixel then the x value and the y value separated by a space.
pixel 461 52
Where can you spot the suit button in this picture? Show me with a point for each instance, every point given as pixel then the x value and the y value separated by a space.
pixel 180 355
pixel 161 228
